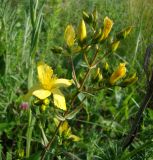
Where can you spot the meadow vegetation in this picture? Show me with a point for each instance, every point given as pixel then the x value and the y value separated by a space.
pixel 72 79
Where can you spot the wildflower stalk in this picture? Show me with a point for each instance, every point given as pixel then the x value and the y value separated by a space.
pixel 51 141
pixel 89 69
pixel 72 102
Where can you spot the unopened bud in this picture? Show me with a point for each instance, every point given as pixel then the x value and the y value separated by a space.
pixel 124 33
pixel 108 24
pixel 118 74
pixel 97 35
pixel 114 46
pixel 85 17
pixel 43 108
pixel 82 33
pixel 130 80
pixel 20 153
pixel 106 66
pixel 69 35
pixel 95 15
pixel 98 77
pixel 76 49
pixel 46 101
pixel 24 105
pixel 57 50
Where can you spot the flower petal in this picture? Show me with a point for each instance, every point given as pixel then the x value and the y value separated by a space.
pixel 45 73
pixel 41 93
pixel 59 99
pixel 31 90
pixel 61 83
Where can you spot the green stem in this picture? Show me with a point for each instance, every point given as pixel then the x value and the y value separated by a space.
pixel 31 123
pixel 72 102
pixel 89 69
pixel 51 141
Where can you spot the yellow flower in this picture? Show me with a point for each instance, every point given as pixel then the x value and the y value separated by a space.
pixel 82 33
pixel 108 24
pixel 65 130
pixel 118 74
pixel 49 84
pixel 69 35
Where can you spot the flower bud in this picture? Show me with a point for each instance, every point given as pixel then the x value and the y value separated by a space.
pixel 85 17
pixel 130 80
pixel 82 33
pixel 43 108
pixel 95 15
pixel 24 105
pixel 20 153
pixel 57 49
pixel 124 33
pixel 98 76
pixel 69 35
pixel 108 24
pixel 46 101
pixel 75 49
pixel 106 66
pixel 96 36
pixel 118 74
pixel 114 46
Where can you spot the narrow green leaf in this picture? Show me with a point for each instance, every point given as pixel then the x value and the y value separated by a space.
pixel 9 156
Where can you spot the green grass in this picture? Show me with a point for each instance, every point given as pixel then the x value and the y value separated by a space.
pixel 27 34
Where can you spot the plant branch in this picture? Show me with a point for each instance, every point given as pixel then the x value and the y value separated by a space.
pixel 72 102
